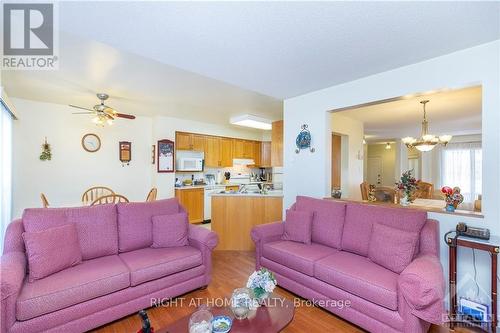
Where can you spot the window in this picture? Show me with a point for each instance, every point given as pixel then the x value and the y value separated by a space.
pixel 5 169
pixel 462 167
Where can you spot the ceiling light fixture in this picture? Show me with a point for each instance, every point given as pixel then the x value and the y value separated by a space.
pixel 248 120
pixel 427 141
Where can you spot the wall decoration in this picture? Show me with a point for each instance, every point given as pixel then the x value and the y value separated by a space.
pixel 125 152
pixel 153 154
pixel 91 142
pixel 166 156
pixel 303 140
pixel 46 154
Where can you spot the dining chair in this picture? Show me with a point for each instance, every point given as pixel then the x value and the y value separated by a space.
pixel 385 194
pixel 365 188
pixel 95 192
pixel 152 194
pixel 425 190
pixel 45 202
pixel 109 198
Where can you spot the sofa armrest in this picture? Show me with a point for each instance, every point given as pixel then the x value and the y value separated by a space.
pixel 422 286
pixel 200 235
pixel 267 232
pixel 12 272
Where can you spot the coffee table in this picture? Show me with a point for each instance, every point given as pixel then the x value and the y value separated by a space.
pixel 272 317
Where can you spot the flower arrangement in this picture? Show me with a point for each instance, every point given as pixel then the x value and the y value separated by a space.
pixel 46 154
pixel 262 283
pixel 408 185
pixel 452 196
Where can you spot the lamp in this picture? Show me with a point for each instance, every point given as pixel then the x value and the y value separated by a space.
pixel 427 141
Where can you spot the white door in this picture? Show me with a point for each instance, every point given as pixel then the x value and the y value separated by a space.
pixel 374 171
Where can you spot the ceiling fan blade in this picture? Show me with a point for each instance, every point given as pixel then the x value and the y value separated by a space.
pixel 79 107
pixel 123 115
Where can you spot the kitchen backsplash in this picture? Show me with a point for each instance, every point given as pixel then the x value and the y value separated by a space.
pixel 234 171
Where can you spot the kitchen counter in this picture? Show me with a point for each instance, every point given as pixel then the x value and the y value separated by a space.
pixel 221 186
pixel 249 194
pixel 234 216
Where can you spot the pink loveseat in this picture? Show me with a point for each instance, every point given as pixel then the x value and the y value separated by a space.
pixel 120 274
pixel 336 272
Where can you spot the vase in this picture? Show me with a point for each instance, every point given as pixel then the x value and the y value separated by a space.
pixel 450 208
pixel 261 297
pixel 404 201
pixel 201 321
pixel 240 303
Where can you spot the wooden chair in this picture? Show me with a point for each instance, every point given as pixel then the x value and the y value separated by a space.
pixel 365 188
pixel 385 194
pixel 95 192
pixel 152 194
pixel 45 202
pixel 109 198
pixel 425 190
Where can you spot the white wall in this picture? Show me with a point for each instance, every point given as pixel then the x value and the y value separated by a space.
pixel 352 132
pixel 165 128
pixel 72 170
pixel 473 66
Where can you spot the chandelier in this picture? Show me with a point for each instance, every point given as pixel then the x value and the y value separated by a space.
pixel 427 141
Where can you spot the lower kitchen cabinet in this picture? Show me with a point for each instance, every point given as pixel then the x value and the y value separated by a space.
pixel 192 201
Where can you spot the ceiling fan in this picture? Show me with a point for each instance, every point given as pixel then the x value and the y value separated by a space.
pixel 102 113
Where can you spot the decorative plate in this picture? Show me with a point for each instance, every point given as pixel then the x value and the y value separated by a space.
pixel 221 324
pixel 303 140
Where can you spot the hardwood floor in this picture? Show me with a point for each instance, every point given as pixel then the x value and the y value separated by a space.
pixel 231 270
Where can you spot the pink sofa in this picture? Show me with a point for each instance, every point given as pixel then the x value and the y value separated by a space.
pixel 120 273
pixel 337 265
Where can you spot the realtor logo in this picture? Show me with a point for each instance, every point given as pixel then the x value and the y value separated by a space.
pixel 29 36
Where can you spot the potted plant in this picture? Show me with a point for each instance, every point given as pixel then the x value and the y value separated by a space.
pixel 453 197
pixel 407 187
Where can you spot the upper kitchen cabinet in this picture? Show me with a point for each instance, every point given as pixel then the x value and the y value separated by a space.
pixel 265 154
pixel 243 148
pixel 189 141
pixel 212 152
pixel 277 144
pixel 226 152
pixel 257 153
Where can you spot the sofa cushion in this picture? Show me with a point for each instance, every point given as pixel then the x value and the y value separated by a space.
pixel 90 279
pixel 170 230
pixel 149 264
pixel 359 276
pixel 392 248
pixel 135 222
pixel 360 218
pixel 96 226
pixel 328 220
pixel 51 250
pixel 298 226
pixel 297 256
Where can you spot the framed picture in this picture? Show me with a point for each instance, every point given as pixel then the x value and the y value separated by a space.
pixel 166 156
pixel 125 152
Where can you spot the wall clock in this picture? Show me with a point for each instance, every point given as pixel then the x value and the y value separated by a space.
pixel 91 142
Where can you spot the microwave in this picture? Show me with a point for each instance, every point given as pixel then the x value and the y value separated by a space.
pixel 190 164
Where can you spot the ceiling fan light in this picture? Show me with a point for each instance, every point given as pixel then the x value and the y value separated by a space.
pixel 110 122
pixel 96 120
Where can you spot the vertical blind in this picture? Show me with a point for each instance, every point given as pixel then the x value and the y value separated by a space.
pixel 6 120
pixel 462 166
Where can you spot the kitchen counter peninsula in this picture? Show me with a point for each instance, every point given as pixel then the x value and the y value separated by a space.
pixel 235 214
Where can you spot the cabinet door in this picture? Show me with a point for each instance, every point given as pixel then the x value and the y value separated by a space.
pixel 198 142
pixel 192 201
pixel 257 147
pixel 238 148
pixel 183 141
pixel 277 144
pixel 248 149
pixel 226 152
pixel 212 152
pixel 265 158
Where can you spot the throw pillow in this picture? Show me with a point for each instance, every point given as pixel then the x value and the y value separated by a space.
pixel 170 230
pixel 298 226
pixel 52 250
pixel 392 248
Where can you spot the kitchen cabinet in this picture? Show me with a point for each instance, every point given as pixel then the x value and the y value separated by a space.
pixel 234 188
pixel 243 148
pixel 212 152
pixel 277 144
pixel 226 152
pixel 189 141
pixel 192 199
pixel 257 147
pixel 265 154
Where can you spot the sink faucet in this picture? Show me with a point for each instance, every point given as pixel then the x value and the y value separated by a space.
pixel 242 188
